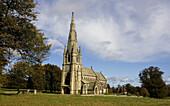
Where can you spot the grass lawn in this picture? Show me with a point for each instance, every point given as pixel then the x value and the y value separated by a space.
pixel 77 100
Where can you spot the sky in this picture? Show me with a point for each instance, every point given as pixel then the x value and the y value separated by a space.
pixel 119 38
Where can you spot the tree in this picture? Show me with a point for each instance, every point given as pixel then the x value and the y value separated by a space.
pixel 109 89
pixel 137 94
pixel 19 38
pixel 168 89
pixel 118 88
pixel 52 77
pixel 113 90
pixel 130 88
pixel 151 79
pixel 17 76
pixel 144 92
pixel 36 78
pixel 3 62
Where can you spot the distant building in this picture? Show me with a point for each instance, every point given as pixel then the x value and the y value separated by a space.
pixel 75 78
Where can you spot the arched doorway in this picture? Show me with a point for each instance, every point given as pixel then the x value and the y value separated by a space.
pixel 66 90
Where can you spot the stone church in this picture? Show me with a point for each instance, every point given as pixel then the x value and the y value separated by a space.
pixel 77 79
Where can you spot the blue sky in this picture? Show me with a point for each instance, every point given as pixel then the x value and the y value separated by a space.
pixel 118 37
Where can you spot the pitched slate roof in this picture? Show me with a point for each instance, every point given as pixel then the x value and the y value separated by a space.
pixel 88 71
pixel 100 76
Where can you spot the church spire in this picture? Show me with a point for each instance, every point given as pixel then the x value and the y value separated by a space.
pixel 72 40
pixel 72 25
pixel 72 19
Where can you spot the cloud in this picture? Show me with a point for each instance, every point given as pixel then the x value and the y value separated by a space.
pixel 167 80
pixel 114 81
pixel 59 51
pixel 132 31
pixel 120 79
pixel 55 43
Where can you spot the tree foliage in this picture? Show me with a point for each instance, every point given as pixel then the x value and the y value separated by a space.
pixel 36 78
pixel 19 37
pixel 52 77
pixel 17 76
pixel 130 88
pixel 151 79
pixel 144 92
pixel 168 89
pixel 113 89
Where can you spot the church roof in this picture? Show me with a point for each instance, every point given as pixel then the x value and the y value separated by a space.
pixel 88 71
pixel 100 76
pixel 90 82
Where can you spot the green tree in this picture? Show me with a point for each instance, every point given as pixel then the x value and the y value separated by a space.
pixel 119 88
pixel 17 76
pixel 36 78
pixel 52 77
pixel 19 37
pixel 113 89
pixel 3 62
pixel 144 92
pixel 151 79
pixel 168 89
pixel 130 88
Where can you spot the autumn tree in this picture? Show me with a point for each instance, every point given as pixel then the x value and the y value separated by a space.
pixel 17 76
pixel 19 37
pixel 52 77
pixel 151 79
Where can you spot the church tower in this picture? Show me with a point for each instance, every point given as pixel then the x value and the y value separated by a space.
pixel 71 69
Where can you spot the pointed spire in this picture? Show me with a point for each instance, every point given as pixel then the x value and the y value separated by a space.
pixel 72 36
pixel 72 19
pixel 64 49
pixel 72 25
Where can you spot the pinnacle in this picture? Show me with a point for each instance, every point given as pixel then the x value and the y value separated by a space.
pixel 72 17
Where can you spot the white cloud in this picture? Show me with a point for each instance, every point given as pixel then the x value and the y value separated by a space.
pixel 55 43
pixel 114 81
pixel 125 30
pixel 59 51
pixel 167 80
pixel 121 79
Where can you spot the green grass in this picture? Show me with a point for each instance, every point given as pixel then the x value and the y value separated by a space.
pixel 77 100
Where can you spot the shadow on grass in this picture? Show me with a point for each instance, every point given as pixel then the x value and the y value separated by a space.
pixel 8 94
